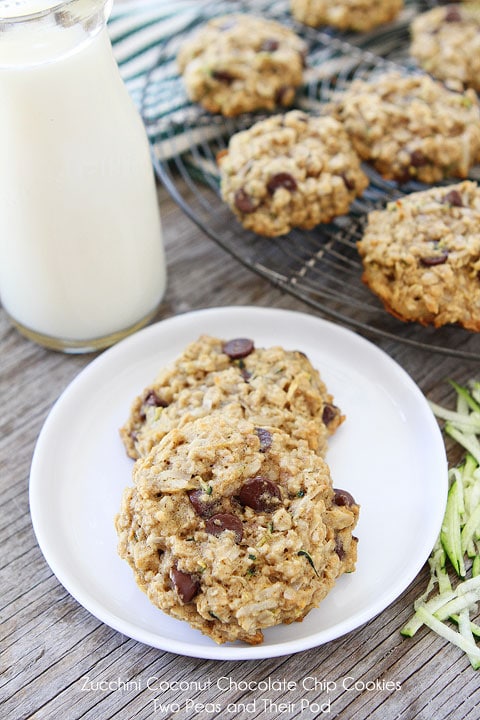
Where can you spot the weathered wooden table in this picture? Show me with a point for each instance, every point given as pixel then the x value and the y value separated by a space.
pixel 59 662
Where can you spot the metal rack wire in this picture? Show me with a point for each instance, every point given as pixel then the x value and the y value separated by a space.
pixel 320 267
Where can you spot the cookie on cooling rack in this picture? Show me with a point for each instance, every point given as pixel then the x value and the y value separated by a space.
pixel 231 536
pixel 290 171
pixel 242 63
pixel 421 256
pixel 446 43
pixel 411 127
pixel 356 15
pixel 270 387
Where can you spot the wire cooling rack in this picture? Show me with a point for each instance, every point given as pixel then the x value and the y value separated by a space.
pixel 321 267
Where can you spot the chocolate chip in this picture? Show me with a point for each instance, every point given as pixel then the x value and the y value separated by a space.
pixel 329 413
pixel 279 180
pixel 260 494
pixel 154 400
pixel 217 524
pixel 222 76
pixel 244 202
pixel 417 158
pixel 265 437
pixel 185 584
pixel 269 45
pixel 246 374
pixel 431 260
pixel 238 348
pixel 349 184
pixel 339 548
pixel 453 14
pixel 203 503
pixel 343 498
pixel 454 198
pixel 284 95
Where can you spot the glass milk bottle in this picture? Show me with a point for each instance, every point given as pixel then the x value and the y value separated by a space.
pixel 81 253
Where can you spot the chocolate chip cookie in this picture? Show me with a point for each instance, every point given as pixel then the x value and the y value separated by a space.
pixel 357 15
pixel 242 63
pixel 411 127
pixel 290 171
pixel 232 536
pixel 269 386
pixel 446 43
pixel 421 256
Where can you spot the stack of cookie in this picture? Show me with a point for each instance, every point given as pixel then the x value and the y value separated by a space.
pixel 232 522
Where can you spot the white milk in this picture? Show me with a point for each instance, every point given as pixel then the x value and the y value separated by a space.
pixel 81 253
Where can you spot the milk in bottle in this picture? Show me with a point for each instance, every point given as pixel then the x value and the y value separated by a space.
pixel 81 253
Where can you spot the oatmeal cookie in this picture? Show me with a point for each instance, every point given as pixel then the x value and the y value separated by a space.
pixel 421 256
pixel 241 63
pixel 357 15
pixel 231 536
pixel 290 170
pixel 411 127
pixel 269 386
pixel 446 43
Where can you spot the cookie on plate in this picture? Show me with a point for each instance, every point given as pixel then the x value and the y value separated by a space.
pixel 242 63
pixel 231 536
pixel 446 43
pixel 411 127
pixel 421 256
pixel 290 171
pixel 357 15
pixel 269 386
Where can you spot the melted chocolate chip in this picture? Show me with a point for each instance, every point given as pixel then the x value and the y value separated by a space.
pixel 343 498
pixel 244 202
pixel 260 494
pixel 223 76
pixel 217 524
pixel 282 179
pixel 238 348
pixel 202 503
pixel 349 184
pixel 265 437
pixel 154 400
pixel 246 374
pixel 329 413
pixel 431 260
pixel 417 159
pixel 283 95
pixel 186 585
pixel 454 198
pixel 339 548
pixel 453 14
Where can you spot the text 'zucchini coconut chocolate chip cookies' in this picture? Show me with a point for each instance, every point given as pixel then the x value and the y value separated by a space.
pixel 232 522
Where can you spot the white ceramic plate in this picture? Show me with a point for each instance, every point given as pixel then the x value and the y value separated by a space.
pixel 389 454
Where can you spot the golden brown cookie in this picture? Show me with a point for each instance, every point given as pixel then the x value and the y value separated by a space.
pixel 290 171
pixel 446 43
pixel 357 15
pixel 421 256
pixel 232 534
pixel 241 63
pixel 411 127
pixel 269 386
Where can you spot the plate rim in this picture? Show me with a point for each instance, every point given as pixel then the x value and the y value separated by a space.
pixel 229 651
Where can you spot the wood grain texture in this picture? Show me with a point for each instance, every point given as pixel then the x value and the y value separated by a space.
pixel 59 662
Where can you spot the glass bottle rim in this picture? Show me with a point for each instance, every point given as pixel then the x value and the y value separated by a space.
pixel 23 10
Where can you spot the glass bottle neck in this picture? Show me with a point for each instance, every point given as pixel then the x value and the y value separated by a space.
pixel 50 33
